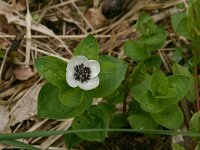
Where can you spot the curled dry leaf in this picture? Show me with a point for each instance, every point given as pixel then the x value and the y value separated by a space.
pixel 27 106
pixel 23 72
pixel 96 18
pixel 4 115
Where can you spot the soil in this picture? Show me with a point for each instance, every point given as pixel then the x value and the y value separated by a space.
pixel 130 141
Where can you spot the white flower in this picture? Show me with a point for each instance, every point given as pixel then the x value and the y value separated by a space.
pixel 83 73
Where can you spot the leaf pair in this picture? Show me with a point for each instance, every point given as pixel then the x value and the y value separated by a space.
pixel 158 94
pixel 152 38
pixel 96 117
pixel 50 106
pixel 188 25
pixel 171 118
pixel 181 70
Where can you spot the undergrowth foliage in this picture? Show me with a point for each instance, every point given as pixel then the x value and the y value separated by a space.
pixel 155 97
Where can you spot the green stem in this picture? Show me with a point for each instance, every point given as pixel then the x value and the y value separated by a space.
pixel 126 89
pixel 196 87
pixel 125 96
pixel 10 136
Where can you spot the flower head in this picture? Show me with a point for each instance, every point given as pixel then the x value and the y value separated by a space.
pixel 83 73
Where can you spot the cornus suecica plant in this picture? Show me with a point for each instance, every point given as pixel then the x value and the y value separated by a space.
pixel 83 73
pixel 73 85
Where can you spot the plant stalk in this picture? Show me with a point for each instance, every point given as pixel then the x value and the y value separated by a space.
pixel 126 89
pixel 196 87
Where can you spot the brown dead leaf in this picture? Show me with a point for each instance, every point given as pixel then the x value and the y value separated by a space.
pixel 5 27
pixel 96 18
pixel 27 105
pixel 20 5
pixel 4 115
pixel 23 72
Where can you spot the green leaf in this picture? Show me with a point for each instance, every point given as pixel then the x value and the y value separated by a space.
pixel 152 37
pixel 89 121
pixel 171 117
pixel 179 24
pixel 195 124
pixel 134 107
pixel 135 50
pixel 108 109
pixel 196 50
pixel 177 55
pixel 177 147
pixel 159 83
pixel 154 41
pixel 152 63
pixel 193 19
pixel 138 74
pixel 1 53
pixel 138 90
pixel 170 93
pixel 118 120
pixel 197 147
pixel 169 98
pixel 181 84
pixel 49 105
pixel 178 69
pixel 145 25
pixel 88 47
pixel 149 104
pixel 71 140
pixel 141 120
pixel 53 70
pixel 97 117
pixel 116 97
pixel 181 5
pixel 71 97
pixel 112 73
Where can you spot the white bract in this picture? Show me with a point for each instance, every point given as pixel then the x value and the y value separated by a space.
pixel 83 73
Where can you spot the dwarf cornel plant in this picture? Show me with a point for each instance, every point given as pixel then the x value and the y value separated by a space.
pixel 73 86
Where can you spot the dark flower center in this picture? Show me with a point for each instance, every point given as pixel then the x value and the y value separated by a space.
pixel 82 73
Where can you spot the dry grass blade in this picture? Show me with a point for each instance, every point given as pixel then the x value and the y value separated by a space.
pixel 28 34
pixel 3 63
pixel 82 15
